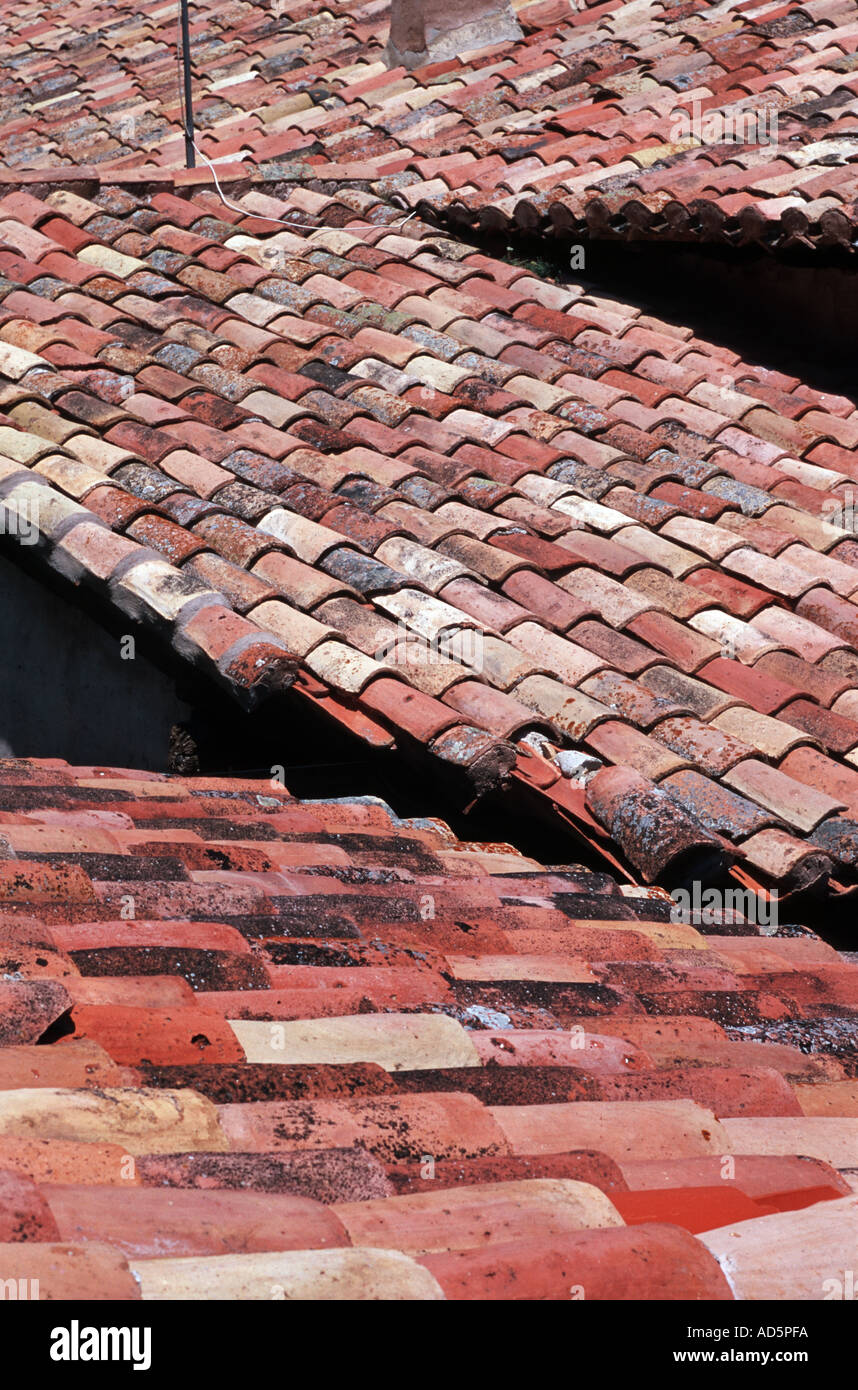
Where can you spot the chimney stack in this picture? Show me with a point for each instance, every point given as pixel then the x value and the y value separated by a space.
pixel 431 31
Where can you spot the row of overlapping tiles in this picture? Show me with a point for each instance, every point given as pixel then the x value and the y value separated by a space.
pixel 253 1047
pixel 585 106
pixel 470 503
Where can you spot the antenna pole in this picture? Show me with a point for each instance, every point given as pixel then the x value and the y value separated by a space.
pixel 190 161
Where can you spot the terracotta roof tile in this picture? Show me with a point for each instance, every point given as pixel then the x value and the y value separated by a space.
pixel 314 1105
pixel 479 520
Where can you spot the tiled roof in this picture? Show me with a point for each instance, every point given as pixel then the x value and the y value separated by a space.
pixel 602 120
pixel 537 540
pixel 525 533
pixel 250 1044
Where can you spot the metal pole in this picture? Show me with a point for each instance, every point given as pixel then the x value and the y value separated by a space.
pixel 190 161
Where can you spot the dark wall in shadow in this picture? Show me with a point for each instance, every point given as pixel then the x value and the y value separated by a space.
pixel 65 690
pixel 797 314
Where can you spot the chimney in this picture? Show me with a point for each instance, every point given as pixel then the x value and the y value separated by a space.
pixel 430 31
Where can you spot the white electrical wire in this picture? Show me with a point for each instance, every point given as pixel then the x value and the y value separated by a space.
pixel 283 221
pixel 245 212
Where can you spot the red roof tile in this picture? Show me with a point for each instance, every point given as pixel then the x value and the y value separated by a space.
pixel 486 1101
pixel 539 542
